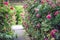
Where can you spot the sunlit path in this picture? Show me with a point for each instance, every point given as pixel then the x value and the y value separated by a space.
pixel 19 30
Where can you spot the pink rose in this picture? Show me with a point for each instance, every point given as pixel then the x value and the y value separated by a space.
pixel 46 39
pixel 58 4
pixel 5 3
pixel 42 1
pixel 50 3
pixel 52 33
pixel 56 13
pixel 38 15
pixel 53 5
pixel 47 0
pixel 38 25
pixel 25 6
pixel 35 0
pixel 36 10
pixel 48 16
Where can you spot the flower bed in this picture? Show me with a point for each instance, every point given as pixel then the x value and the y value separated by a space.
pixel 42 21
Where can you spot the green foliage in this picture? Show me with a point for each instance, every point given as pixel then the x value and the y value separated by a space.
pixel 19 10
pixel 41 19
pixel 1 3
pixel 6 21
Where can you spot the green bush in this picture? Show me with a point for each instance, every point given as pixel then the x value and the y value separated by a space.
pixel 42 20
pixel 6 21
pixel 19 10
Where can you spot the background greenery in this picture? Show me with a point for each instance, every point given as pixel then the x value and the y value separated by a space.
pixel 6 21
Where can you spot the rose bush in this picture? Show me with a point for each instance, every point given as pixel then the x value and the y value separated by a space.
pixel 42 19
pixel 6 21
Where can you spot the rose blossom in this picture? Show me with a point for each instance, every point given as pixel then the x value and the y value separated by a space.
pixel 48 16
pixel 35 0
pixel 5 3
pixel 25 6
pixel 47 0
pixel 38 15
pixel 53 5
pixel 42 1
pixel 46 39
pixel 56 13
pixel 36 10
pixel 38 25
pixel 52 33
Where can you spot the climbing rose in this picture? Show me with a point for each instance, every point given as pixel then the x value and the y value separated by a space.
pixel 56 13
pixel 36 10
pixel 38 15
pixel 5 3
pixel 48 16
pixel 52 33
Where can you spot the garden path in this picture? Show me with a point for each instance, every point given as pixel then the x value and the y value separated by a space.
pixel 19 30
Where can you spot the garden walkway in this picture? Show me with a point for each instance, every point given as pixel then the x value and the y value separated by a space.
pixel 19 30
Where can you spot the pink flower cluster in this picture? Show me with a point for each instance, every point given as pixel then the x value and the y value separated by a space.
pixel 46 39
pixel 38 15
pixel 25 6
pixel 56 13
pixel 51 3
pixel 38 25
pixel 6 3
pixel 36 10
pixel 48 16
pixel 52 33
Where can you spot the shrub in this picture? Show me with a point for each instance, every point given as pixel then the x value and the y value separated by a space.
pixel 42 20
pixel 19 10
pixel 6 21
